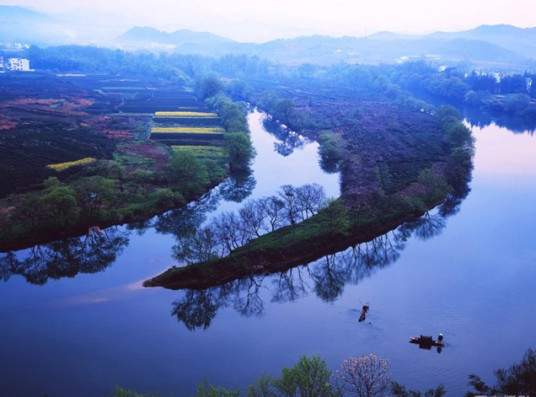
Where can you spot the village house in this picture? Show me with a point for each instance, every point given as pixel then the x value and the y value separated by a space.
pixel 18 64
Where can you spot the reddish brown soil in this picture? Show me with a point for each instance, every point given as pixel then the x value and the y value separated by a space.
pixel 150 150
pixel 66 106
pixel 7 124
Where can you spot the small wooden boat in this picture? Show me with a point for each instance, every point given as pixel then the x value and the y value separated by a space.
pixel 427 342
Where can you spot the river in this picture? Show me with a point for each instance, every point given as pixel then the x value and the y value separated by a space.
pixel 80 328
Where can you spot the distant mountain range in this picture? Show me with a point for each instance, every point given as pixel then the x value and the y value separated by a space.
pixel 18 24
pixel 494 47
pixel 497 47
pixel 186 41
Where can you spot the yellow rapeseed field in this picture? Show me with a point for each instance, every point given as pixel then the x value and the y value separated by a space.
pixel 68 164
pixel 185 114
pixel 187 130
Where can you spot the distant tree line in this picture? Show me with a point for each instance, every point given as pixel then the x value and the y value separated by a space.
pixel 250 72
pixel 179 68
pixel 509 94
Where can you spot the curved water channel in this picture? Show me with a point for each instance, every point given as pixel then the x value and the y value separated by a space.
pixel 81 326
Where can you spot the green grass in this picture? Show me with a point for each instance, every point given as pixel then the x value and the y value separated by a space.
pixel 202 152
pixel 132 159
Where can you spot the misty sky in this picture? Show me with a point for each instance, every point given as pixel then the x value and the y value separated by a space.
pixel 249 20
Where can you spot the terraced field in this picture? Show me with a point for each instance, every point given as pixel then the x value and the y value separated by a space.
pixel 187 127
pixel 98 132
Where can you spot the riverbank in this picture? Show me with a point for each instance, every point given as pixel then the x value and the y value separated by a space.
pixel 326 233
pixel 371 204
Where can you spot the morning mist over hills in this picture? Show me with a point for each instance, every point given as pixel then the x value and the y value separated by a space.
pixel 498 47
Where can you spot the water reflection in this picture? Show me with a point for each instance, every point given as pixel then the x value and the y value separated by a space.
pixel 325 277
pixel 237 187
pixel 184 221
pixel 288 139
pixel 66 257
pixel 481 118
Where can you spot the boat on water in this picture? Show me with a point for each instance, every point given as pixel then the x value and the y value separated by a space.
pixel 427 342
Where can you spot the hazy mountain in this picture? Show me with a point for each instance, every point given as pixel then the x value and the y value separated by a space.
pixel 522 41
pixel 10 13
pixel 181 40
pixel 18 24
pixel 23 25
pixel 496 46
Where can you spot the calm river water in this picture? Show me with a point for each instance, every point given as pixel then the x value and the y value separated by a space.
pixel 470 276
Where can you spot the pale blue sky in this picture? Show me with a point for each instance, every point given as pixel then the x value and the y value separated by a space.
pixel 249 20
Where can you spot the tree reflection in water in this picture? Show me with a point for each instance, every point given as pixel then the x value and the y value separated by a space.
pixel 66 257
pixel 94 252
pixel 237 187
pixel 185 221
pixel 512 121
pixel 288 139
pixel 325 277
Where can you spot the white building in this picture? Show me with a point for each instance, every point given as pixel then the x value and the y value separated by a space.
pixel 20 64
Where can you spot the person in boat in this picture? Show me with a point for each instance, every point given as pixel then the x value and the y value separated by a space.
pixel 426 342
pixel 364 311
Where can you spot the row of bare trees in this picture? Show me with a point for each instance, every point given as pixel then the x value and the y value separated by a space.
pixel 229 231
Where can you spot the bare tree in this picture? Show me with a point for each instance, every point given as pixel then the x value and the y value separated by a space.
pixel 273 209
pixel 310 199
pixel 289 197
pixel 227 226
pixel 365 376
pixel 252 217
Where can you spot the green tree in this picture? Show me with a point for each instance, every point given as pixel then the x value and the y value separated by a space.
pixel 205 389
pixel 516 103
pixel 209 87
pixel 331 151
pixel 121 392
pixel 28 213
pixel 239 90
pixel 233 115
pixel 399 390
pixel 517 380
pixel 188 173
pixel 283 110
pixel 59 205
pixel 447 115
pixel 309 377
pixel 93 194
pixel 240 150
pixel 435 187
pixel 263 387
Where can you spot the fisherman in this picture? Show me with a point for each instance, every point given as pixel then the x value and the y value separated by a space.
pixel 363 313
